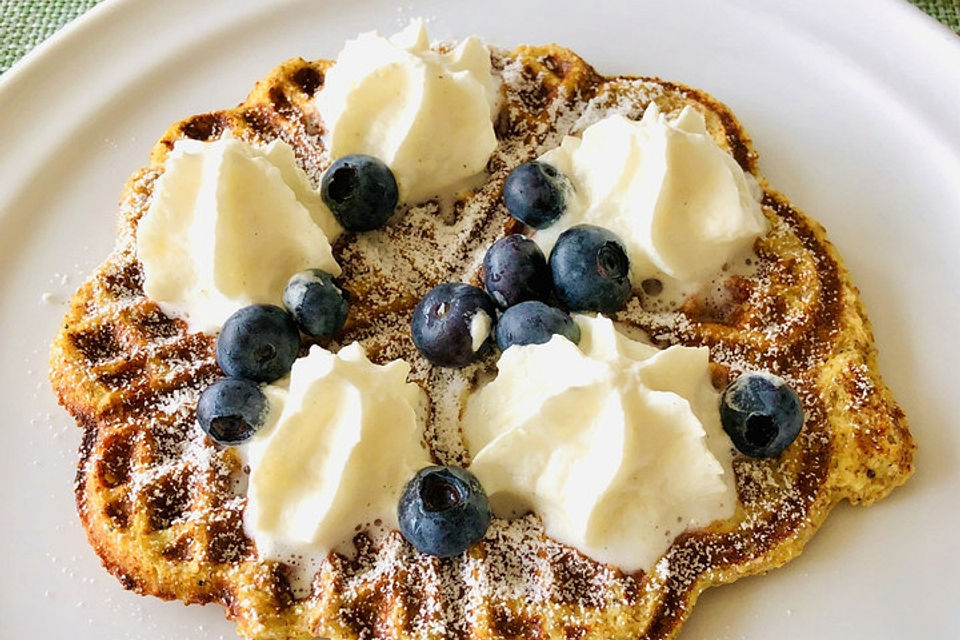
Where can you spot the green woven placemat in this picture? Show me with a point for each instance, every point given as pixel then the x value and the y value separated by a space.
pixel 26 23
pixel 946 11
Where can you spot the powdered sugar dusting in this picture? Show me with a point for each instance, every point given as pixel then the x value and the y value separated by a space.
pixel 157 459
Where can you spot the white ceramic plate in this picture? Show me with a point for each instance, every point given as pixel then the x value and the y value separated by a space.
pixel 853 105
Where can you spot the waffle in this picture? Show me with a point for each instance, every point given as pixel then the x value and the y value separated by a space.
pixel 162 506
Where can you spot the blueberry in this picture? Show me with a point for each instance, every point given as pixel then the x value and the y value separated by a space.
pixel 515 270
pixel 761 414
pixel 361 192
pixel 259 342
pixel 536 193
pixel 447 326
pixel 533 322
pixel 590 269
pixel 318 305
pixel 443 510
pixel 231 410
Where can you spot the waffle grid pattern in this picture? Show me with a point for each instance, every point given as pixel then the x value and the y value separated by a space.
pixel 161 505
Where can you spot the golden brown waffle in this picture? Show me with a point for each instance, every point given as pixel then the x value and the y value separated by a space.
pixel 162 506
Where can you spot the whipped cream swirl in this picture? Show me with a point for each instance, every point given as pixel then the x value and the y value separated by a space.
pixel 228 225
pixel 336 451
pixel 682 205
pixel 427 114
pixel 615 444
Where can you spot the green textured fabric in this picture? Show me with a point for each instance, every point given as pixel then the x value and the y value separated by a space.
pixel 946 11
pixel 26 23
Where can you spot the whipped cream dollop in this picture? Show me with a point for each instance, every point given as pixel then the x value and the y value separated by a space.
pixel 682 205
pixel 228 225
pixel 428 115
pixel 337 450
pixel 615 444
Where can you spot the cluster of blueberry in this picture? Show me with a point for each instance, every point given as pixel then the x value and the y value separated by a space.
pixel 444 510
pixel 759 411
pixel 588 270
pixel 259 343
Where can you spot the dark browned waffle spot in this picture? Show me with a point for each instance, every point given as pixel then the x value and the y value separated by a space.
pixel 535 95
pixel 260 121
pixel 155 325
pixel 414 601
pixel 511 624
pixel 505 127
pixel 179 551
pixel 574 632
pixel 116 463
pixel 279 587
pixel 193 350
pixel 361 615
pixel 167 499
pixel 124 374
pixel 98 344
pixel 125 283
pixel 556 65
pixel 208 126
pixel 577 579
pixel 119 513
pixel 308 79
pixel 227 542
pixel 280 103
